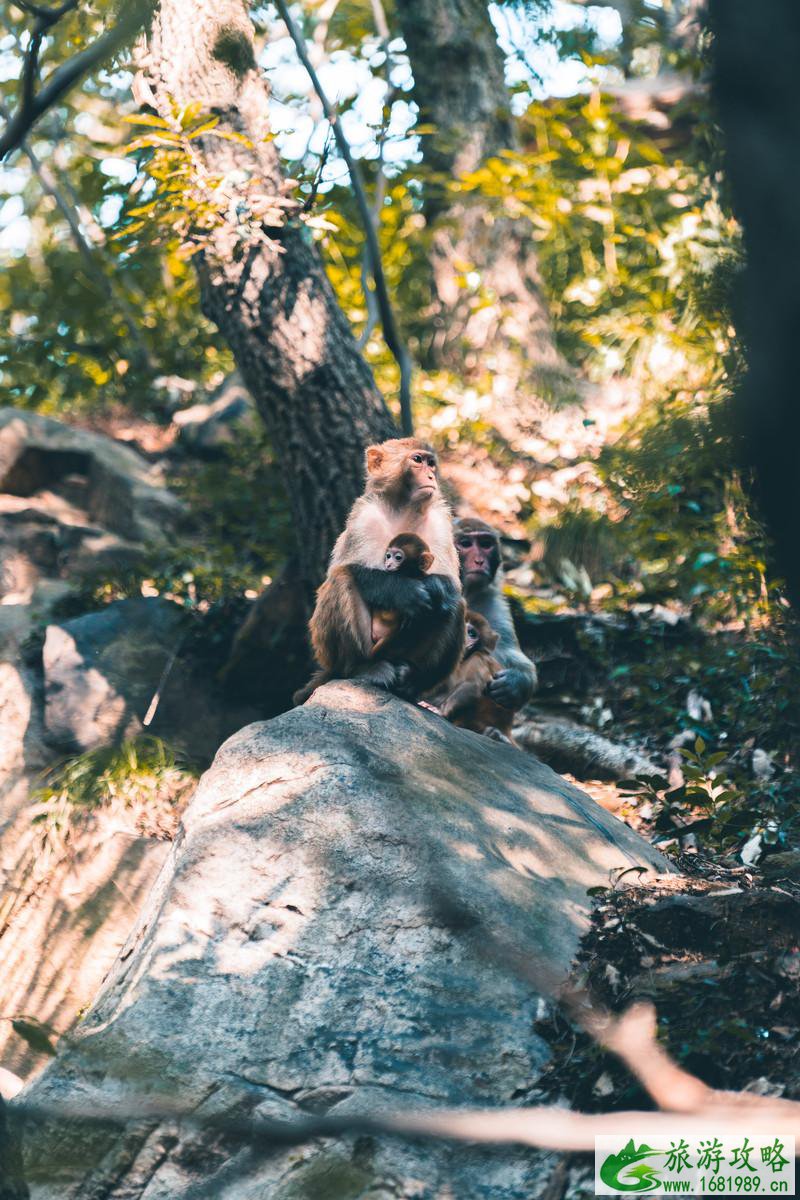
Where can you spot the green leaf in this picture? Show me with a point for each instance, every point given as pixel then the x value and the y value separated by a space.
pixel 146 119
pixel 204 128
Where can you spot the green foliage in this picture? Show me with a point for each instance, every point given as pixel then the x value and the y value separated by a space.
pixel 142 770
pixel 180 205
pixel 682 523
pixel 749 680
pixel 623 232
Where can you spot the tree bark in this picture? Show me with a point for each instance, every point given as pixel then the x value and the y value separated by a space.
pixel 756 51
pixel 274 305
pixel 459 87
pixel 270 299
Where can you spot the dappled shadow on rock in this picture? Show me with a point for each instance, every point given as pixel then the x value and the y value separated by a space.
pixel 295 956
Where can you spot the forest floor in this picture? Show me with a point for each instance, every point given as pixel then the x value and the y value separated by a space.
pixel 685 723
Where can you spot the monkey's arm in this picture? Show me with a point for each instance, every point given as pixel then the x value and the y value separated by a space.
pixel 341 632
pixel 445 596
pixel 412 598
pixel 437 653
pixel 514 684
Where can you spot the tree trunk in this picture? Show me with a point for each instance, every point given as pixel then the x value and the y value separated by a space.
pixel 459 87
pixel 272 301
pixel 756 51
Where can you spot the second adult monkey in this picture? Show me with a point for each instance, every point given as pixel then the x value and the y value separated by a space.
pixel 401 496
pixel 481 574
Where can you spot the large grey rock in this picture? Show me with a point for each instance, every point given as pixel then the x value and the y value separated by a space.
pixel 289 960
pixel 101 670
pixel 111 483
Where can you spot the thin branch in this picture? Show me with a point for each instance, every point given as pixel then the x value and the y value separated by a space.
pixel 391 331
pixel 50 15
pixel 544 1127
pixel 32 104
pixel 373 315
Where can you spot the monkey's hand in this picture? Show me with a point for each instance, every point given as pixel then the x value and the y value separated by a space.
pixel 443 593
pixel 404 681
pixel 511 688
pixel 387 590
pixel 443 600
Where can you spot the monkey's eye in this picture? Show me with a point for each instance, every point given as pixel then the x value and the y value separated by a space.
pixel 417 458
pixel 485 542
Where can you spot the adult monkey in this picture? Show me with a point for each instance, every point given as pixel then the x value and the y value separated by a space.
pixel 478 549
pixel 401 496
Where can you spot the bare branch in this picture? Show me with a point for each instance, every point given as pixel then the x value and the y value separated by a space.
pixel 543 1127
pixel 373 314
pixel 50 15
pixel 391 331
pixel 32 104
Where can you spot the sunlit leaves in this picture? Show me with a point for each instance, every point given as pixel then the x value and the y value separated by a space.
pixel 621 233
pixel 189 208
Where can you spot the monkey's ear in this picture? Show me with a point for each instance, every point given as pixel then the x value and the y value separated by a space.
pixel 425 561
pixel 374 459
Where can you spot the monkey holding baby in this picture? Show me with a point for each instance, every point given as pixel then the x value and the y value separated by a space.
pixel 478 548
pixel 401 522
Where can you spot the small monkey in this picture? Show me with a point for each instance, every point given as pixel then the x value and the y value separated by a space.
pixel 408 555
pixel 463 697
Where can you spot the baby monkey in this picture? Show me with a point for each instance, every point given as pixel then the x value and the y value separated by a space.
pixel 408 555
pixel 462 698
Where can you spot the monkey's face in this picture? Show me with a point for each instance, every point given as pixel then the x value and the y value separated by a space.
pixel 385 623
pixel 479 555
pixel 473 639
pixel 420 474
pixel 403 471
pixel 394 558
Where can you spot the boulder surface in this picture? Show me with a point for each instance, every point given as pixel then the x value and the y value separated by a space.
pixel 295 956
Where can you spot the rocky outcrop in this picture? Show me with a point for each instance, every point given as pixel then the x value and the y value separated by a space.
pixel 109 483
pixel 72 504
pixel 320 941
pixel 61 933
pixel 102 670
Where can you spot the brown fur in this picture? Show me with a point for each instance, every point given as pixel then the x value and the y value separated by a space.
pixel 462 697
pixel 401 497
